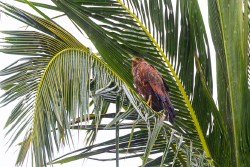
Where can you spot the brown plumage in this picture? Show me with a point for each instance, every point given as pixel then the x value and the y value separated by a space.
pixel 149 82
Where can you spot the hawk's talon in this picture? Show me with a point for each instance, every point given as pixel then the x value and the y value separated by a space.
pixel 149 102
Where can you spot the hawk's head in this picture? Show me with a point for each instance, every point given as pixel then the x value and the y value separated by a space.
pixel 136 60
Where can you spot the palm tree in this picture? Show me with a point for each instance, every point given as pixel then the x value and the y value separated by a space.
pixel 61 85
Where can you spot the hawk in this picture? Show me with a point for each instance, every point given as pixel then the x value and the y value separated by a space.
pixel 150 84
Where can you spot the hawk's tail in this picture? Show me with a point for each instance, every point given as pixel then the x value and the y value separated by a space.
pixel 169 111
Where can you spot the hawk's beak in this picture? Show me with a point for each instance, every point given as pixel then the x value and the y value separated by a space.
pixel 132 59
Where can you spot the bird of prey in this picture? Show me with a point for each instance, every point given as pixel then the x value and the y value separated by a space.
pixel 150 84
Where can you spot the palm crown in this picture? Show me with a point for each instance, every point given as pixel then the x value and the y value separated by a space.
pixel 60 79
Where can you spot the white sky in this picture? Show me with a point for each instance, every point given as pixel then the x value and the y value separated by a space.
pixel 8 158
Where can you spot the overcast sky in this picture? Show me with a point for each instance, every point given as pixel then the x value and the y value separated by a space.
pixel 8 158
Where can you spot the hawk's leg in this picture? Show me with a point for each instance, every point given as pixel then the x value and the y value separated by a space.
pixel 149 102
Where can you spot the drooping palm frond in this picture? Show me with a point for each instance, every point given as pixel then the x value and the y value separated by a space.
pixel 122 22
pixel 59 93
pixel 123 28
pixel 229 33
pixel 137 148
pixel 120 30
pixel 27 84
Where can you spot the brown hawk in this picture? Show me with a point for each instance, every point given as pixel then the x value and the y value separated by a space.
pixel 150 84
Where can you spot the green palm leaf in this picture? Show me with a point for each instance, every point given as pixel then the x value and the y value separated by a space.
pixel 232 58
pixel 80 14
pixel 65 75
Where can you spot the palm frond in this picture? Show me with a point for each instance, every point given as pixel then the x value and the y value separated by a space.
pixel 121 28
pixel 138 146
pixel 231 55
pixel 61 89
pixel 248 43
pixel 42 5
pixel 62 75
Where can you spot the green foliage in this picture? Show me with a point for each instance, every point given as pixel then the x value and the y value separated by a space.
pixel 62 86
pixel 229 33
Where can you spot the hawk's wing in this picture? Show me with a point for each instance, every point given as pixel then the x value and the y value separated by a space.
pixel 160 90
